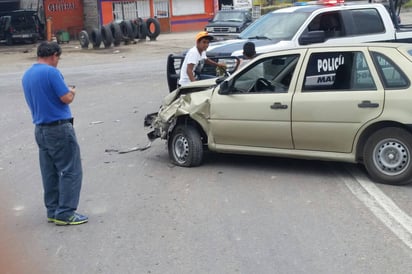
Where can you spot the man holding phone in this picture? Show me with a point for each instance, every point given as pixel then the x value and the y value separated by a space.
pixel 48 98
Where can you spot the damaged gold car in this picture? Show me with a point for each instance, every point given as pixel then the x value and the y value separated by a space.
pixel 339 103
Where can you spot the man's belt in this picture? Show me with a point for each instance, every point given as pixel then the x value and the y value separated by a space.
pixel 56 123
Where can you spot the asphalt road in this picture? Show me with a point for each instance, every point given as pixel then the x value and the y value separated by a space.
pixel 233 214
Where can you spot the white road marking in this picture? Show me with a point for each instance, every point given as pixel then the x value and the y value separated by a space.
pixel 381 205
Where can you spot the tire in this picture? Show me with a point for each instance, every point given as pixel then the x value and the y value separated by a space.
pixel 135 29
pixel 387 156
pixel 96 38
pixel 84 39
pixel 185 146
pixel 142 29
pixel 116 33
pixel 127 30
pixel 107 37
pixel 153 23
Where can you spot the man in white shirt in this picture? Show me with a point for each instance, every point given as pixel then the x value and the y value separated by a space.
pixel 193 56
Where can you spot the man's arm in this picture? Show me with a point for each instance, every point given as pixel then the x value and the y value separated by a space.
pixel 69 96
pixel 211 62
pixel 189 72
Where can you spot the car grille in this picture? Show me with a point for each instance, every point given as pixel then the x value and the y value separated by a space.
pixel 221 29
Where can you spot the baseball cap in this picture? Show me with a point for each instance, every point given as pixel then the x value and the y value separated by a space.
pixel 203 34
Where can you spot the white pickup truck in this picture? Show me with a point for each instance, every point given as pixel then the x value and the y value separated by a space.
pixel 302 25
pixel 298 26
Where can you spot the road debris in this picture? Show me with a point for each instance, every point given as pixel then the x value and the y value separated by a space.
pixel 137 148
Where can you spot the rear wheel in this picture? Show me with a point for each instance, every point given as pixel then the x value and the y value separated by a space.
pixel 185 146
pixel 387 156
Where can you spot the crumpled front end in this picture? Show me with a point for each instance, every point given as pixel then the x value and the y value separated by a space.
pixel 194 105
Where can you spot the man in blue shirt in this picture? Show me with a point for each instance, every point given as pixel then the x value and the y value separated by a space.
pixel 48 98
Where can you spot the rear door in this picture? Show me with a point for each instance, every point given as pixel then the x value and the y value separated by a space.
pixel 338 91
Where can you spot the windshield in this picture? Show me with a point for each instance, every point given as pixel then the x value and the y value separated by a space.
pixel 280 25
pixel 229 16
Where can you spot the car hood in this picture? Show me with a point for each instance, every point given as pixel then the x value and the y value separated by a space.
pixel 225 48
pixel 194 87
pixel 196 104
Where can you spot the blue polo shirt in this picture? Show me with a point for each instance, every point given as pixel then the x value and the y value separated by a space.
pixel 43 86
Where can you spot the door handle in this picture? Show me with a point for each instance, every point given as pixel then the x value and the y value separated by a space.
pixel 368 104
pixel 278 105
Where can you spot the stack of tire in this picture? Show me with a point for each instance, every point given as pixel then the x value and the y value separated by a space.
pixel 126 31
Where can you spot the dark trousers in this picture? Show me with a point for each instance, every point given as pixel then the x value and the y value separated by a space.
pixel 61 169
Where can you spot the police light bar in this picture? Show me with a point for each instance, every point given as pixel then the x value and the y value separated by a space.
pixel 331 2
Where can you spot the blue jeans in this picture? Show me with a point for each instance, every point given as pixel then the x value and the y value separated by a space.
pixel 61 169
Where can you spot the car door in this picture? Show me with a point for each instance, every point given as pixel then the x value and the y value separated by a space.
pixel 256 114
pixel 339 92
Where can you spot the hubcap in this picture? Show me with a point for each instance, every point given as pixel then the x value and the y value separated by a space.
pixel 181 149
pixel 391 157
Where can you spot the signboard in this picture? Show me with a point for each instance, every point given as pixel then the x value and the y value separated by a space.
pixel 65 15
pixel 242 4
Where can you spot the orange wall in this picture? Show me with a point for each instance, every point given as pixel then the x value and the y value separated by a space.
pixel 193 22
pixel 177 23
pixel 107 12
pixel 66 15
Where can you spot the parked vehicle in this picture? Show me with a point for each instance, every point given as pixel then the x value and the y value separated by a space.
pixel 327 24
pixel 339 103
pixel 227 24
pixel 20 26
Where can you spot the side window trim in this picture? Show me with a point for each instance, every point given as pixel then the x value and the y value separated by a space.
pixel 375 55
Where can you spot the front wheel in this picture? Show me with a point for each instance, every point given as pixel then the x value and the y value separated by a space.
pixel 185 146
pixel 387 156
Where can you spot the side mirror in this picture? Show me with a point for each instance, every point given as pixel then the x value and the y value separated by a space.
pixel 224 87
pixel 311 37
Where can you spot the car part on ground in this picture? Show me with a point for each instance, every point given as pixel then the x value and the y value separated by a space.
pixel 348 103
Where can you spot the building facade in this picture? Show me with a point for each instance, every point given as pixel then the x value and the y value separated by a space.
pixel 173 15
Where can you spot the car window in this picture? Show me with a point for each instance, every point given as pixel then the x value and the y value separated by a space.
pixel 392 76
pixel 269 75
pixel 337 71
pixel 367 21
pixel 229 16
pixel 286 25
pixel 4 23
pixel 330 23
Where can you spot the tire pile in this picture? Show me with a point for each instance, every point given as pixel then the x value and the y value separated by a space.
pixel 126 31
